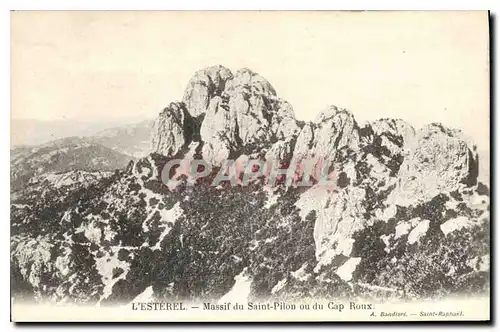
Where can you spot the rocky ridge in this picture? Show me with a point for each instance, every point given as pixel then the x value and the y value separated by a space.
pixel 407 218
pixel 61 156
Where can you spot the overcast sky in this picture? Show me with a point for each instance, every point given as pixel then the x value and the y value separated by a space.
pixel 421 67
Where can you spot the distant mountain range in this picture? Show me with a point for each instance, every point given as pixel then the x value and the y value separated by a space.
pixel 104 150
pixel 35 132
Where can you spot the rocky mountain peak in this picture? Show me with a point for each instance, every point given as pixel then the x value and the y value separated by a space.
pixel 334 129
pixel 331 112
pixel 380 166
pixel 398 130
pixel 203 86
pixel 235 114
pixel 251 83
pixel 437 160
pixel 406 209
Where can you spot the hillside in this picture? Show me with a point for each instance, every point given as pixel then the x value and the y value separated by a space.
pixel 61 156
pixel 407 219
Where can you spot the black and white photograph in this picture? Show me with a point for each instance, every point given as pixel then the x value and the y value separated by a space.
pixel 250 166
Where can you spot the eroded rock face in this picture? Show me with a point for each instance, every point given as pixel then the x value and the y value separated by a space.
pixel 393 133
pixel 339 214
pixel 333 130
pixel 379 166
pixel 283 123
pixel 250 96
pixel 203 86
pixel 171 130
pixel 405 207
pixel 382 145
pixel 437 160
pixel 305 142
pixel 281 151
pixel 217 149
pixel 336 129
pixel 239 113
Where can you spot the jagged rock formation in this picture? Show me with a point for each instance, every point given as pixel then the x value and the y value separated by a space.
pixel 406 218
pixel 61 156
pixel 172 130
pixel 333 130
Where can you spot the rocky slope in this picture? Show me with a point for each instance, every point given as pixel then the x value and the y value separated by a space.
pixel 31 132
pixel 407 218
pixel 132 140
